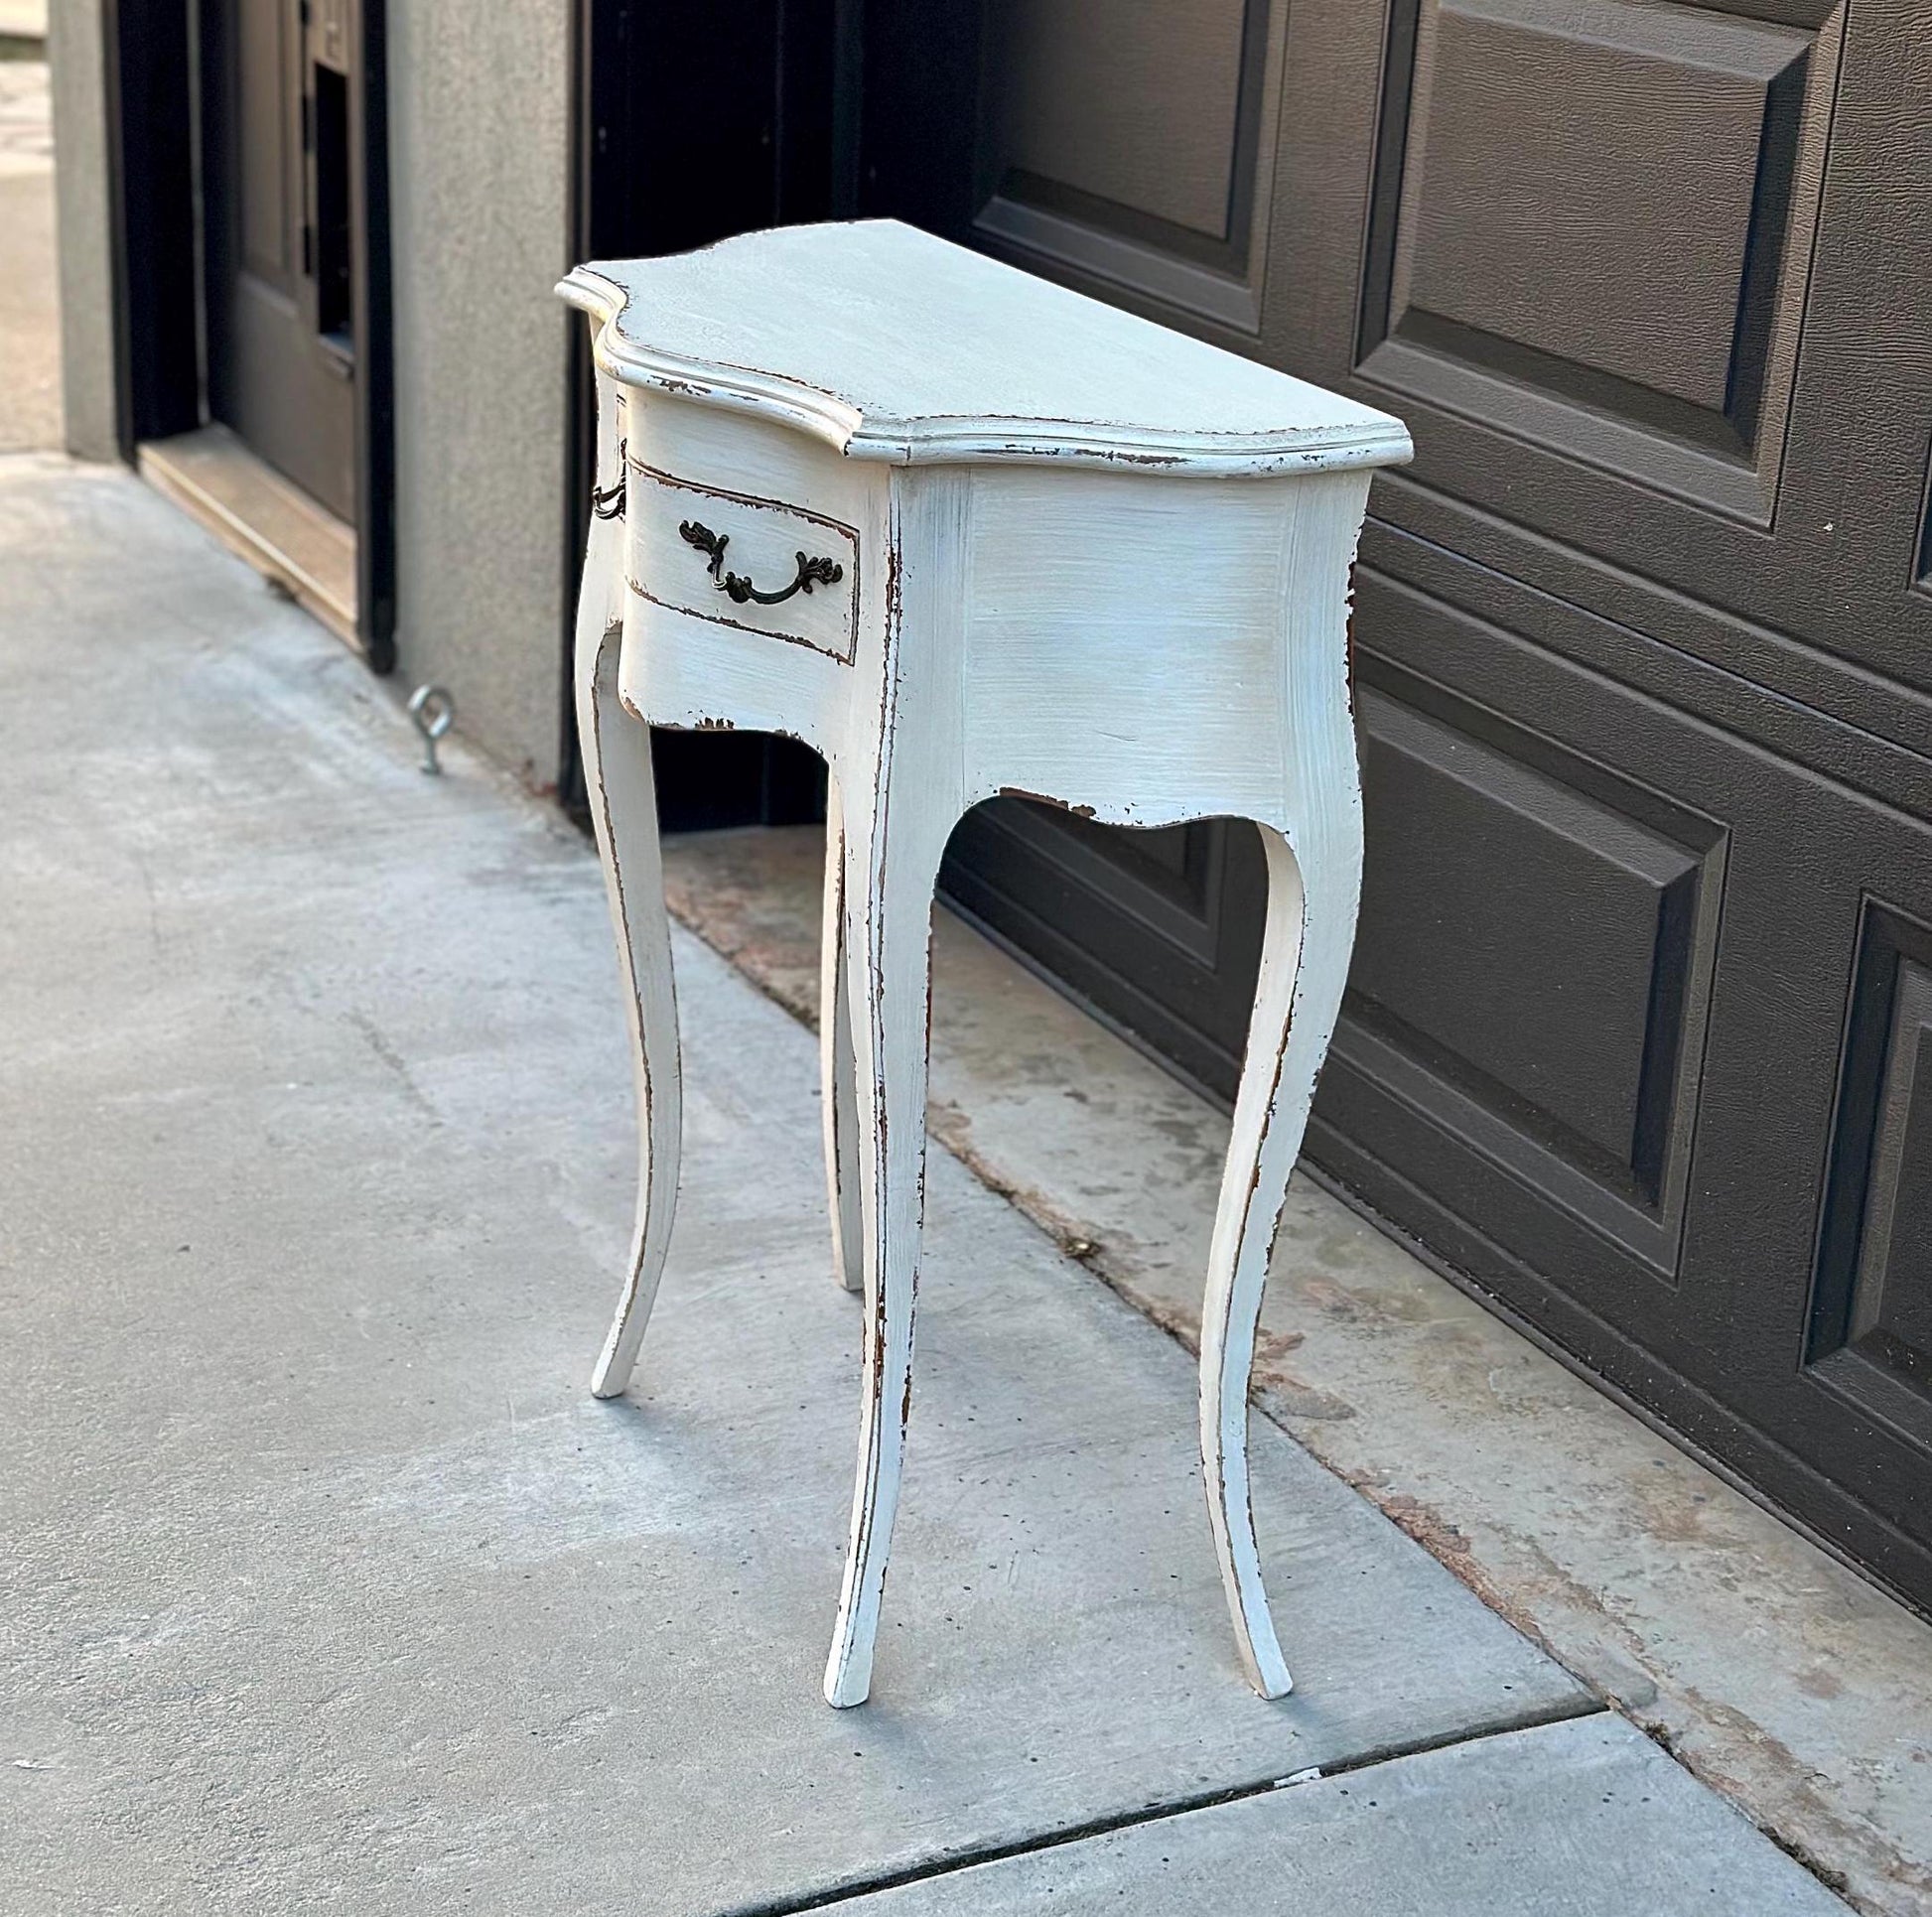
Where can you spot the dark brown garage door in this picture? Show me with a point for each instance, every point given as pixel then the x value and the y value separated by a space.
pixel 1640 1033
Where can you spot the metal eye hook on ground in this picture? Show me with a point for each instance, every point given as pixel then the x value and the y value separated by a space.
pixel 434 712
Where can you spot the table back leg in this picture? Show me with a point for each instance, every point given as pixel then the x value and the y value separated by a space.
pixel 1311 931
pixel 839 1089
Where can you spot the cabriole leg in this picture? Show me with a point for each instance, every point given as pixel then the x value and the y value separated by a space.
pixel 1310 931
pixel 838 1086
pixel 623 812
pixel 888 939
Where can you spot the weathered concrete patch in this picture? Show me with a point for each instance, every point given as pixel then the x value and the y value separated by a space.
pixel 1587 1818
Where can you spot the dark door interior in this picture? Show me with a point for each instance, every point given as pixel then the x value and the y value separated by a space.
pixel 1639 1036
pixel 669 157
pixel 279 95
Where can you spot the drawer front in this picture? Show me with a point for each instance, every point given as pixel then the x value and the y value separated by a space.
pixel 739 561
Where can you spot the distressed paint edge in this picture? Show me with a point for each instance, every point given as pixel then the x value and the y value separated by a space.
pixel 967 439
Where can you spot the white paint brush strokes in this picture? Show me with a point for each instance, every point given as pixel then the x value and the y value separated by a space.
pixel 1035 547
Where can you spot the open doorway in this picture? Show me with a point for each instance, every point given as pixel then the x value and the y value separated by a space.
pixel 252 232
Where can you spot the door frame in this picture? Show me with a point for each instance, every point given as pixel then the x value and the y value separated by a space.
pixel 160 375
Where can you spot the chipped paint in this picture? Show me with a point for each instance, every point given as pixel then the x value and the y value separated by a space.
pixel 1047 798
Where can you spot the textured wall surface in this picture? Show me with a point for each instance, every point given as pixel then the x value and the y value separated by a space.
pixel 30 316
pixel 81 218
pixel 479 121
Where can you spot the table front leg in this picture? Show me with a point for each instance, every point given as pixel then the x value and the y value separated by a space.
pixel 623 812
pixel 1311 932
pixel 838 1084
pixel 888 944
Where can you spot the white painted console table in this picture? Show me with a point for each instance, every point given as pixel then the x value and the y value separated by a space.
pixel 966 533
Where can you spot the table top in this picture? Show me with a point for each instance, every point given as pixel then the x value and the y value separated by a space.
pixel 891 344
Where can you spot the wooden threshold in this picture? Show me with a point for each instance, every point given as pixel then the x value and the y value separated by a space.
pixel 261 518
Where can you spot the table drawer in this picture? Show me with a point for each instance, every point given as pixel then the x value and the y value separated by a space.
pixel 755 564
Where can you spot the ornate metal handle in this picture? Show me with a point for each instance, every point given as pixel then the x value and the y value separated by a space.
pixel 738 588
pixel 606 502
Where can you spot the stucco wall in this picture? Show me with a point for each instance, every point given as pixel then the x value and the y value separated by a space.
pixel 83 235
pixel 480 163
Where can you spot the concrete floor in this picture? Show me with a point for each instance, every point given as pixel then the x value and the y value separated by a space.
pixel 328 1585
pixel 1444 1830
pixel 1776 1674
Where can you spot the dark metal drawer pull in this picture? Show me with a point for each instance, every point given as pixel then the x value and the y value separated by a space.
pixel 812 572
pixel 606 502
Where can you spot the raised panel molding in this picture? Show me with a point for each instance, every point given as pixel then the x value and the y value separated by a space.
pixel 1854 727
pixel 1583 189
pixel 1872 1317
pixel 1073 93
pixel 1595 231
pixel 1161 930
pixel 1141 159
pixel 1533 964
